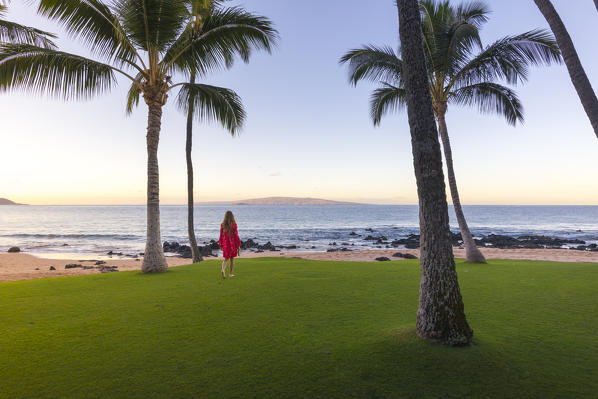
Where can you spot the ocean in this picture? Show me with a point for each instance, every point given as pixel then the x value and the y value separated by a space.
pixel 99 229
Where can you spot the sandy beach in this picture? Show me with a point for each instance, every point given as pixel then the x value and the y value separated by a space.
pixel 24 266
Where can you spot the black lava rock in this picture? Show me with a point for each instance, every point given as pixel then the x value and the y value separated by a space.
pixel 382 259
pixel 404 256
pixel 14 249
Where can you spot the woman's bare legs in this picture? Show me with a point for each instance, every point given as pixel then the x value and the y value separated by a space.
pixel 230 270
pixel 224 268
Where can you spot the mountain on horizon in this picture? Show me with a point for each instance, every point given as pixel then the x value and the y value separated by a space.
pixel 5 201
pixel 290 201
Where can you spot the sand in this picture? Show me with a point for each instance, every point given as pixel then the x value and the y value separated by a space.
pixel 22 266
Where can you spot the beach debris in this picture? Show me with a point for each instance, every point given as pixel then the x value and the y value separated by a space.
pixel 404 256
pixel 382 259
pixel 52 268
pixel 73 266
pixel 14 249
pixel 100 262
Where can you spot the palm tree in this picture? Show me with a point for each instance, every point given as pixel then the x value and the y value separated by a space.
pixel 145 42
pixel 576 72
pixel 441 314
pixel 226 107
pixel 461 71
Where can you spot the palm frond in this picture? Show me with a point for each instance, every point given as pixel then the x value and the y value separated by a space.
pixel 509 58
pixel 474 12
pixel 152 25
pixel 134 93
pixel 450 34
pixel 212 103
pixel 386 99
pixel 373 63
pixel 48 71
pixel 11 32
pixel 491 98
pixel 94 23
pixel 225 33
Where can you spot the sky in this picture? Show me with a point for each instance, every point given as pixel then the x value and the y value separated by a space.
pixel 308 132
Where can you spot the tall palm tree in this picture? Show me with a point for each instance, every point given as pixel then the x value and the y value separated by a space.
pixel 145 42
pixel 227 110
pixel 576 72
pixel 461 71
pixel 441 314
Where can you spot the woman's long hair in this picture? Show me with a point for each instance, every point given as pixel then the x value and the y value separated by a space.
pixel 228 221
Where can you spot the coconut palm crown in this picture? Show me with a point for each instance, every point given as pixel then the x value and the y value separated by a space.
pixel 150 43
pixel 462 71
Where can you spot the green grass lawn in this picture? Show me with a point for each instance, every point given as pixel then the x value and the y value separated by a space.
pixel 289 328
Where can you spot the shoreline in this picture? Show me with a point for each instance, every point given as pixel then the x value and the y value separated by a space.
pixel 26 266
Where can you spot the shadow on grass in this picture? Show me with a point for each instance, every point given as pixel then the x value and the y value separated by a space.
pixel 405 365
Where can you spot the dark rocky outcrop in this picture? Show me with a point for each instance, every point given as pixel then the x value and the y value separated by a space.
pixel 184 251
pixel 526 241
pixel 100 262
pixel 411 242
pixel 382 259
pixel 404 256
pixel 14 249
pixel 108 269
pixel 73 266
pixel 52 268
pixel 338 250
pixel 372 238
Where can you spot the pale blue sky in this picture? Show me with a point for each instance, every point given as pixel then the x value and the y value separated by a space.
pixel 308 132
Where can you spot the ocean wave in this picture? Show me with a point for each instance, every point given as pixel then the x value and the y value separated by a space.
pixel 76 236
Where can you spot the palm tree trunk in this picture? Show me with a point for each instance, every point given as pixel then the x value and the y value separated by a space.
pixel 596 4
pixel 190 223
pixel 472 253
pixel 441 314
pixel 576 72
pixel 153 259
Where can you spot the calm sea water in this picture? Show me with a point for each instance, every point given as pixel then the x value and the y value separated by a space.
pixel 99 229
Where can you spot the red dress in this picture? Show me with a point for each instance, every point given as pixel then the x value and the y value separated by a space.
pixel 229 242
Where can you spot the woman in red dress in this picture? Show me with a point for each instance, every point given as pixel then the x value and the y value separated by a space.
pixel 229 242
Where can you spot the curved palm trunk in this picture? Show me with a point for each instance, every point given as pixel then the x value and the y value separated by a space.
pixel 190 222
pixel 576 72
pixel 596 4
pixel 153 259
pixel 472 253
pixel 441 314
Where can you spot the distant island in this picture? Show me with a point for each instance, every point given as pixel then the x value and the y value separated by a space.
pixel 4 201
pixel 290 201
